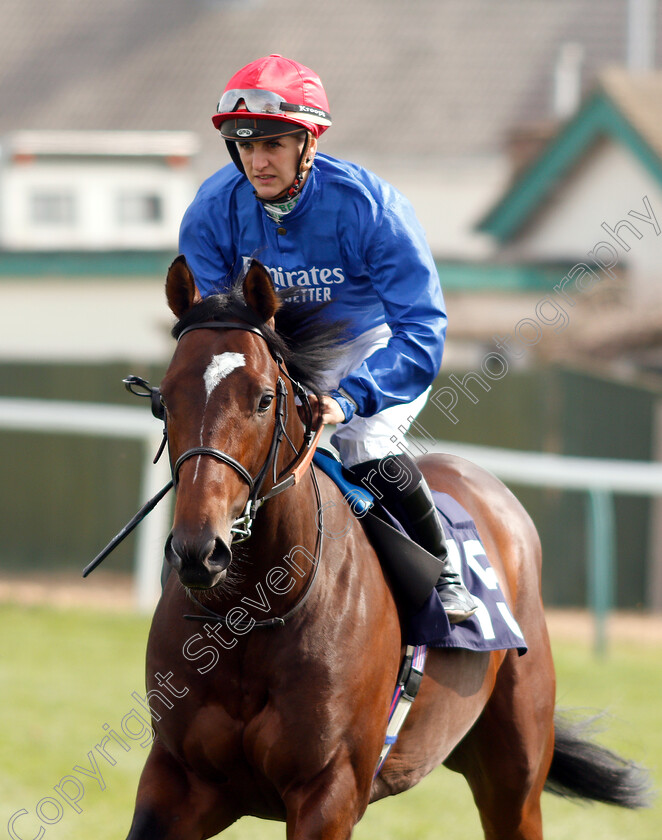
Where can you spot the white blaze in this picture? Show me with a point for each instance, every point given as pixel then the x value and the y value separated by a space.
pixel 220 367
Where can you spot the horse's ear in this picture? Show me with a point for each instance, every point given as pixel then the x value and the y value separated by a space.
pixel 259 292
pixel 181 290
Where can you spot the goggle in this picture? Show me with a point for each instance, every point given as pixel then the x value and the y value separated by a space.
pixel 268 102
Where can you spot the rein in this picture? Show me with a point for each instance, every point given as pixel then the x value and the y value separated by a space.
pixel 242 527
pixel 278 621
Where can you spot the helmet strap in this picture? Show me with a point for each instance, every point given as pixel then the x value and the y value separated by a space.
pixel 301 174
pixel 234 154
pixel 298 182
pixel 299 179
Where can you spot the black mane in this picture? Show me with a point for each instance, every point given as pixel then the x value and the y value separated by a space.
pixel 308 343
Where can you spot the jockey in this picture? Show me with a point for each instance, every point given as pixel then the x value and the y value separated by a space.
pixel 345 237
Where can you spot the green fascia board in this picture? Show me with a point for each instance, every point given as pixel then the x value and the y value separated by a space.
pixel 453 275
pixel 480 277
pixel 598 117
pixel 85 263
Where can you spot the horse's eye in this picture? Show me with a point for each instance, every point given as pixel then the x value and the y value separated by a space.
pixel 265 402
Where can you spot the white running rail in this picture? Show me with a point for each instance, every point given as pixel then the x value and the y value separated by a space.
pixel 600 478
pixel 97 420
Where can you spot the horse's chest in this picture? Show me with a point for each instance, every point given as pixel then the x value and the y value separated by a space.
pixel 259 752
pixel 245 726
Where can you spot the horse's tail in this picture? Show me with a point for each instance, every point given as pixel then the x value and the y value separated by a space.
pixel 582 769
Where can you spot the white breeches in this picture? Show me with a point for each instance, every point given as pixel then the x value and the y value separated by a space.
pixel 367 438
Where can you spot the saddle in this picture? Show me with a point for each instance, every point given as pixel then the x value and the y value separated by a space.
pixel 412 570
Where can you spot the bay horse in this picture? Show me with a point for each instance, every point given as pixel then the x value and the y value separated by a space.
pixel 271 698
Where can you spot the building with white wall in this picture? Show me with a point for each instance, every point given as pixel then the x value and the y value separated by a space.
pixel 94 190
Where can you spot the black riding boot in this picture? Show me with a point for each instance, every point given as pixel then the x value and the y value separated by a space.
pixel 401 487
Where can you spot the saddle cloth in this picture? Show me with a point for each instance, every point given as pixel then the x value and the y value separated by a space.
pixel 493 626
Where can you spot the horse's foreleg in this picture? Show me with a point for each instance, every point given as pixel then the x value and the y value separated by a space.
pixel 172 804
pixel 329 807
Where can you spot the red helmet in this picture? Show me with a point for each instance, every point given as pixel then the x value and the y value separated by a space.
pixel 280 95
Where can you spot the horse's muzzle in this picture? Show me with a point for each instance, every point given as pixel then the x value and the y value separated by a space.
pixel 200 563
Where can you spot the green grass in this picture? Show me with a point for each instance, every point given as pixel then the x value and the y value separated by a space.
pixel 63 675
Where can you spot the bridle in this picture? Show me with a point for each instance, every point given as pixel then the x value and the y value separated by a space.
pixel 241 528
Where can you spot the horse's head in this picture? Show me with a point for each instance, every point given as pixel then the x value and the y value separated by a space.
pixel 227 398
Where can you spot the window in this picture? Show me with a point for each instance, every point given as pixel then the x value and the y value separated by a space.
pixel 140 208
pixel 52 208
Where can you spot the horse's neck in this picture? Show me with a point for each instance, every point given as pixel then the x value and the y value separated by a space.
pixel 290 518
pixel 287 522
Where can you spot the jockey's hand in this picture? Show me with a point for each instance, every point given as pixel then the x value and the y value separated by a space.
pixel 328 408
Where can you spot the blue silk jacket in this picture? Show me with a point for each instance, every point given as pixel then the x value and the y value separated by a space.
pixel 352 240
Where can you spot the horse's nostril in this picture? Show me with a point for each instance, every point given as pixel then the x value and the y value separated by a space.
pixel 171 555
pixel 220 556
pixel 198 562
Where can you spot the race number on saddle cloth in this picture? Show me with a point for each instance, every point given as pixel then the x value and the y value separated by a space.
pixel 492 626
